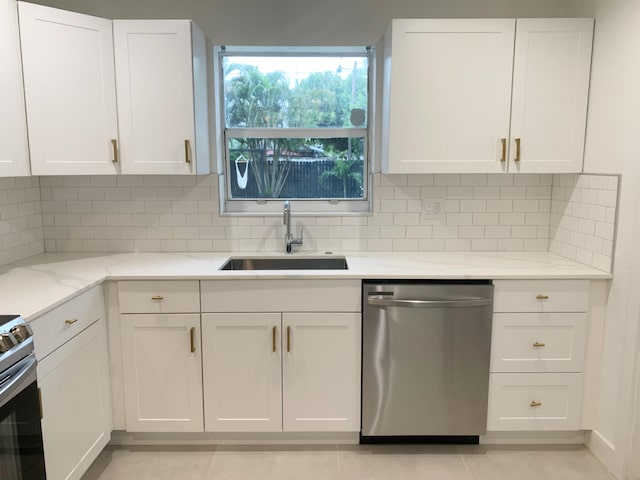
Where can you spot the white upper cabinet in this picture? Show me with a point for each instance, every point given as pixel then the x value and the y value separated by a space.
pixel 70 91
pixel 472 95
pixel 14 150
pixel 550 92
pixel 447 95
pixel 161 80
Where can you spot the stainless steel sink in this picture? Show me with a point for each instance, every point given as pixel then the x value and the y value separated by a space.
pixel 286 263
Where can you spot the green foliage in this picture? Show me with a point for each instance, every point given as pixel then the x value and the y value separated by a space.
pixel 344 170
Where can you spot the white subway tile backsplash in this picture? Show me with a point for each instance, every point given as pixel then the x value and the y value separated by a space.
pixel 571 215
pixel 448 179
pixel 583 218
pixel 21 218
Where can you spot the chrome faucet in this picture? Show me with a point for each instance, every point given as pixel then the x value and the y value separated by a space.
pixel 288 237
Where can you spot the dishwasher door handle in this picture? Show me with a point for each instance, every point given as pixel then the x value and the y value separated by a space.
pixel 385 301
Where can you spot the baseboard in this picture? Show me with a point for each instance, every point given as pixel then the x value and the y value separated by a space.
pixel 122 438
pixel 604 451
pixel 533 438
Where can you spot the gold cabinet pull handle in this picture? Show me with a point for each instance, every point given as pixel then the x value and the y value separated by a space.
pixel 517 159
pixel 157 297
pixel 192 339
pixel 187 158
pixel 114 144
pixel 40 403
pixel 538 344
pixel 504 150
pixel 273 340
pixel 542 297
pixel 71 322
pixel 535 404
pixel 288 339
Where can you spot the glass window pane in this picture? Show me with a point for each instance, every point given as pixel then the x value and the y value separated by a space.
pixel 296 168
pixel 295 92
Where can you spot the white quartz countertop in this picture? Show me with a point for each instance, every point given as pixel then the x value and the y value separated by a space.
pixel 34 286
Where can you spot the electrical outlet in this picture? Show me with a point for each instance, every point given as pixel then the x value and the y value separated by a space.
pixel 433 209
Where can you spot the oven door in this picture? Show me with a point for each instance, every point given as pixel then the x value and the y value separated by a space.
pixel 21 452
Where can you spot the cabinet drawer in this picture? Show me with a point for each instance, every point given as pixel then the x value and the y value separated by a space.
pixel 534 401
pixel 162 296
pixel 281 295
pixel 538 342
pixel 62 323
pixel 541 296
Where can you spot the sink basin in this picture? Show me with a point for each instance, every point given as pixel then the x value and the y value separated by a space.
pixel 286 263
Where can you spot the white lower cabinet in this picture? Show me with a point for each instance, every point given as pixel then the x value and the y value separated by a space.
pixel 74 384
pixel 321 372
pixel 272 372
pixel 537 355
pixel 242 372
pixel 162 372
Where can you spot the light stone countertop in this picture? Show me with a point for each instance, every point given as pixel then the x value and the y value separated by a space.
pixel 33 286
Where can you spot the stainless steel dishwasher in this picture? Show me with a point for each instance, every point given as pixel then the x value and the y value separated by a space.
pixel 425 360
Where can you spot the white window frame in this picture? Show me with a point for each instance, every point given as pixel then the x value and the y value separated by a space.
pixel 350 206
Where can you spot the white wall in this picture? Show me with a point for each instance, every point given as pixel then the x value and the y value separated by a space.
pixel 613 146
pixel 307 22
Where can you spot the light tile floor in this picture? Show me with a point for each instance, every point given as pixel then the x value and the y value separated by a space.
pixel 356 462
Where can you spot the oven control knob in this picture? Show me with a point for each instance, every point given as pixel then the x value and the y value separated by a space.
pixel 22 332
pixel 7 341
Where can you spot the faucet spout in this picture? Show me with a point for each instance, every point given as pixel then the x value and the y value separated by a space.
pixel 289 239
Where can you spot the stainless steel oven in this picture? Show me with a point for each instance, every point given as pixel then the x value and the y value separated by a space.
pixel 21 451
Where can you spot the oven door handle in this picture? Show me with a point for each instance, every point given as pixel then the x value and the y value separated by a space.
pixel 17 378
pixel 385 301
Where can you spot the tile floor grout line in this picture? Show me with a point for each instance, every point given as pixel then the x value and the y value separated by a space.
pixel 464 462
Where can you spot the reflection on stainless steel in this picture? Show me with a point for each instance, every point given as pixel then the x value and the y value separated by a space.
pixel 286 263
pixel 425 365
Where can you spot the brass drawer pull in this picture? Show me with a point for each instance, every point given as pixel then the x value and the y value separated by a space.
pixel 517 159
pixel 186 152
pixel 114 144
pixel 192 339
pixel 538 344
pixel 535 404
pixel 542 297
pixel 157 297
pixel 504 150
pixel 273 340
pixel 71 322
pixel 288 339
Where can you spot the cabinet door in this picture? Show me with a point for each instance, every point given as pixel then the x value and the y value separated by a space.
pixel 155 81
pixel 242 372
pixel 76 405
pixel 162 372
pixel 321 372
pixel 550 92
pixel 14 152
pixel 70 91
pixel 447 95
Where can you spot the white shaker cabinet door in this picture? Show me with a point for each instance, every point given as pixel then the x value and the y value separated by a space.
pixel 550 93
pixel 242 372
pixel 162 99
pixel 76 403
pixel 162 372
pixel 14 150
pixel 321 372
pixel 447 94
pixel 70 91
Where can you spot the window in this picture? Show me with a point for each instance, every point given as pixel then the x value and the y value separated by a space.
pixel 296 128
